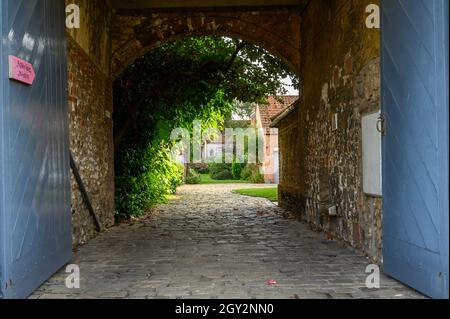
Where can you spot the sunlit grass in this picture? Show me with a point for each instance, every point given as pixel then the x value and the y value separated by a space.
pixel 268 193
pixel 206 179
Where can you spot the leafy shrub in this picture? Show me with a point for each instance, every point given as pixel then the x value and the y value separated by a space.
pixel 144 178
pixel 200 168
pixel 236 170
pixel 257 178
pixel 246 173
pixel 224 175
pixel 215 169
pixel 193 177
pixel 203 169
pixel 251 173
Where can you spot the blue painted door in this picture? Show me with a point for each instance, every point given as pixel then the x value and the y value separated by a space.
pixel 415 147
pixel 35 215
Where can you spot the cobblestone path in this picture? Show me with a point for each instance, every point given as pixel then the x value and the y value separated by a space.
pixel 211 243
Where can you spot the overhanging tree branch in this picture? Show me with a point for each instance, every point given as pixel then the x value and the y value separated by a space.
pixel 239 48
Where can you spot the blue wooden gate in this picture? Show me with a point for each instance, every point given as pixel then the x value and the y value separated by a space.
pixel 415 147
pixel 35 215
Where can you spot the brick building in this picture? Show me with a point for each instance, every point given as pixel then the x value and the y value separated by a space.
pixel 262 118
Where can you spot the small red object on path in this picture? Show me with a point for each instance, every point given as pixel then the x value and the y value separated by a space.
pixel 272 282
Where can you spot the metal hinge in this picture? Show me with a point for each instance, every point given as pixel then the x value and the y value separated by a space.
pixel 381 124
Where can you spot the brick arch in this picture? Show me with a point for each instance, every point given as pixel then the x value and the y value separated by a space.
pixel 137 32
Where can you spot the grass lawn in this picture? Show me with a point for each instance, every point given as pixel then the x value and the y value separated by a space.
pixel 206 179
pixel 269 193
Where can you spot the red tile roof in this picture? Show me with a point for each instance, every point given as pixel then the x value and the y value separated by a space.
pixel 275 106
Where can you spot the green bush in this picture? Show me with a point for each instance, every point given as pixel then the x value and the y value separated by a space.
pixel 200 168
pixel 224 175
pixel 203 169
pixel 193 177
pixel 251 173
pixel 237 169
pixel 246 173
pixel 257 178
pixel 215 169
pixel 144 178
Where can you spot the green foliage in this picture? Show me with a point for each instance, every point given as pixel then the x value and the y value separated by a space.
pixel 257 178
pixel 237 169
pixel 200 168
pixel 251 173
pixel 246 173
pixel 215 169
pixel 193 177
pixel 223 175
pixel 147 178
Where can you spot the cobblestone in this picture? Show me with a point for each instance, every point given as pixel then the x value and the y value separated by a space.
pixel 210 243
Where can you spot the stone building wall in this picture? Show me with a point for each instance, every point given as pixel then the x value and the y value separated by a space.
pixel 291 171
pixel 90 112
pixel 340 75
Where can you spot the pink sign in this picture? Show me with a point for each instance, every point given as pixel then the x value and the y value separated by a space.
pixel 21 70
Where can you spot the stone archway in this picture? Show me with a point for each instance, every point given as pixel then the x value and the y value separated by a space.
pixel 113 34
pixel 338 61
pixel 135 32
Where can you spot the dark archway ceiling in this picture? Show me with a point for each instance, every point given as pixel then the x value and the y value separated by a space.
pixel 148 4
